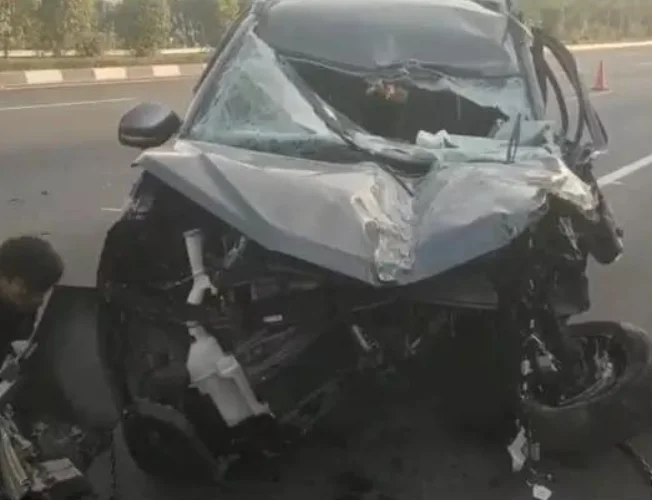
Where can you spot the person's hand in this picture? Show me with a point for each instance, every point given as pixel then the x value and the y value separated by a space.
pixel 9 372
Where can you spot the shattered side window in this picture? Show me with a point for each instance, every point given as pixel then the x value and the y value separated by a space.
pixel 253 98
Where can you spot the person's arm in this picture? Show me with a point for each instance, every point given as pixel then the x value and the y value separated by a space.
pixel 22 331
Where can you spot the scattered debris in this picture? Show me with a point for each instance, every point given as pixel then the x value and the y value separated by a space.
pixel 540 492
pixel 518 450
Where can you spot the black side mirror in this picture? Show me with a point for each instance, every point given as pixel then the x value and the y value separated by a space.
pixel 147 125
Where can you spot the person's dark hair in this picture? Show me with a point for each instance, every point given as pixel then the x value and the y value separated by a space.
pixel 32 259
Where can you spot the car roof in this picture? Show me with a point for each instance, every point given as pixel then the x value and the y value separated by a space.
pixel 366 34
pixel 495 5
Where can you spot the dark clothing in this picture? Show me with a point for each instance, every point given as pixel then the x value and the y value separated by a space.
pixel 14 325
pixel 39 399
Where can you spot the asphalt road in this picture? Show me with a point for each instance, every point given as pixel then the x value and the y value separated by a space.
pixel 63 174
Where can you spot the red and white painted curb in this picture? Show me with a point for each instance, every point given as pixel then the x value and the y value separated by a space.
pixel 10 79
pixel 53 77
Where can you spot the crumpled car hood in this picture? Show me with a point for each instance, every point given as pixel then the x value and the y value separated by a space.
pixel 357 219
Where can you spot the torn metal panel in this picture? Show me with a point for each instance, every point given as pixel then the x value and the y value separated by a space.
pixel 507 94
pixel 257 62
pixel 357 217
pixel 358 220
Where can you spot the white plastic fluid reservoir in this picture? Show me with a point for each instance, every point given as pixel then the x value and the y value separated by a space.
pixel 220 377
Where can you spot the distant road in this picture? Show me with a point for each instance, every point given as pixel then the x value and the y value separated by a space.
pixel 61 165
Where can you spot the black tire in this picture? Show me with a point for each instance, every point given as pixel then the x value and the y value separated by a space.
pixel 163 445
pixel 142 453
pixel 609 416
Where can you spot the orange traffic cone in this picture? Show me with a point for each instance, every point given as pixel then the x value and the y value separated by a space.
pixel 600 83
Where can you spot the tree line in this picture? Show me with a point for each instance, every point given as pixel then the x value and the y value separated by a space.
pixel 576 21
pixel 90 27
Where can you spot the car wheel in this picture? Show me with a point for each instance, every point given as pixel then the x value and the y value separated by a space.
pixel 164 448
pixel 615 405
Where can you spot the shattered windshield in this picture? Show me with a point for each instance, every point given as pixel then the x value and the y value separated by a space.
pixel 254 96
pixel 287 104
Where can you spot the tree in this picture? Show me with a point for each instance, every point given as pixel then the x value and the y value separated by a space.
pixel 16 21
pixel 66 23
pixel 187 18
pixel 592 20
pixel 106 21
pixel 229 10
pixel 201 22
pixel 144 25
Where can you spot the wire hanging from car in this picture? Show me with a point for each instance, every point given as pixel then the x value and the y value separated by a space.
pixel 586 114
pixel 514 140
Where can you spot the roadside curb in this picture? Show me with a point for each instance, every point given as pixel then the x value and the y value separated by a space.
pixel 9 79
pixel 117 74
pixel 585 47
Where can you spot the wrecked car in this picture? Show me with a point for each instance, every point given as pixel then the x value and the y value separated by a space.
pixel 353 181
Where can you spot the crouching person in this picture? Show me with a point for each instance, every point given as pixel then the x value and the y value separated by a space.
pixel 29 268
pixel 34 406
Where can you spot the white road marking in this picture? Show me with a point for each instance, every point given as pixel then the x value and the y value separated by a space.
pixel 592 94
pixel 65 104
pixel 625 170
pixel 111 209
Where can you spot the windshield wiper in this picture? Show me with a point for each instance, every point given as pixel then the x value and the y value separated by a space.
pixel 514 141
pixel 335 126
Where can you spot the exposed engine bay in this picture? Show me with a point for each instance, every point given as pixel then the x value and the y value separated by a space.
pixel 254 346
pixel 281 331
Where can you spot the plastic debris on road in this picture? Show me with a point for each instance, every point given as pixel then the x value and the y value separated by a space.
pixel 540 492
pixel 518 450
